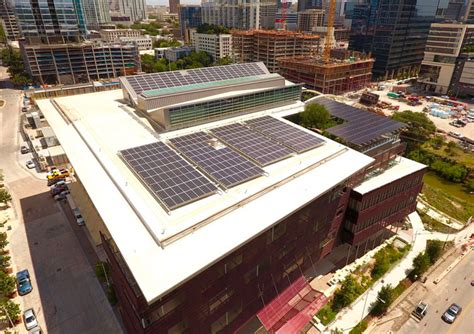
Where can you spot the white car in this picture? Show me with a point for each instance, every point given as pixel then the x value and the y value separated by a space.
pixel 30 164
pixel 79 219
pixel 30 319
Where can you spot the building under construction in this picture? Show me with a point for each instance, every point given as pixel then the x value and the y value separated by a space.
pixel 268 45
pixel 345 71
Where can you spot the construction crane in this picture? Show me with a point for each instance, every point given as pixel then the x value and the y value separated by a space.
pixel 282 19
pixel 330 31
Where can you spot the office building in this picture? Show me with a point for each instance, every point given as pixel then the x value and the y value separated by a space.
pixel 72 63
pixel 173 54
pixel 203 179
pixel 447 66
pixel 346 73
pixel 268 45
pixel 133 10
pixel 309 4
pixel 267 12
pixel 8 20
pixel 239 14
pixel 174 4
pixel 290 21
pixel 112 35
pixel 96 13
pixel 310 19
pixel 189 17
pixel 217 46
pixel 396 33
pixel 60 21
pixel 143 42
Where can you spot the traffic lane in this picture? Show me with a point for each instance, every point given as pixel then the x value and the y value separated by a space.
pixel 454 288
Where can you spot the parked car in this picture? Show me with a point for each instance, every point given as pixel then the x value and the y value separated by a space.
pixel 24 150
pixel 23 282
pixel 78 216
pixel 61 173
pixel 455 134
pixel 421 310
pixel 59 183
pixel 30 319
pixel 30 164
pixel 57 189
pixel 54 181
pixel 61 195
pixel 452 313
pixel 36 330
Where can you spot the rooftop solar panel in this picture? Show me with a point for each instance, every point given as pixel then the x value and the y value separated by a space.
pixel 217 160
pixel 166 175
pixel 361 127
pixel 254 145
pixel 286 134
pixel 144 82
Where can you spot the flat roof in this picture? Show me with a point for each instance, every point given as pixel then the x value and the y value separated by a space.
pixel 401 168
pixel 155 244
pixel 360 127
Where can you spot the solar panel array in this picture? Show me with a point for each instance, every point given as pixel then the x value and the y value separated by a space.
pixel 361 127
pixel 254 145
pixel 220 162
pixel 145 82
pixel 168 176
pixel 286 134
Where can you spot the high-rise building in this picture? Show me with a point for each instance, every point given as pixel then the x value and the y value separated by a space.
pixel 240 14
pixel 448 64
pixel 218 207
pixel 134 10
pixel 189 17
pixel 268 10
pixel 8 20
pixel 216 45
pixel 72 63
pixel 310 19
pixel 52 21
pixel 269 45
pixel 469 12
pixel 96 12
pixel 309 4
pixel 395 33
pixel 174 6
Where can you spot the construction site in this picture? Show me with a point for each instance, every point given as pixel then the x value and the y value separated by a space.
pixel 268 45
pixel 344 71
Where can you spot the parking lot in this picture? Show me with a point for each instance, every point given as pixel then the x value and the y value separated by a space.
pixel 45 239
pixel 443 124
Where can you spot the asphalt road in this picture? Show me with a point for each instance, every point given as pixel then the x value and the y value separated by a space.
pixel 454 288
pixel 66 296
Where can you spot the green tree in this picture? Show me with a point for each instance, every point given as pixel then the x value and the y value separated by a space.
pixel 421 263
pixel 163 43
pixel 5 196
pixel 346 294
pixel 315 116
pixel 12 310
pixel 213 29
pixel 7 284
pixel 148 62
pixel 470 184
pixel 437 141
pixel 224 61
pixel 419 126
pixel 381 266
pixel 434 249
pixel 385 297
pixel 3 240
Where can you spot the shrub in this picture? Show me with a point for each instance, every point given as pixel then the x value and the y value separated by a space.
pixel 7 307
pixel 350 289
pixel 434 249
pixel 7 284
pixel 5 196
pixel 360 328
pixel 385 297
pixel 421 263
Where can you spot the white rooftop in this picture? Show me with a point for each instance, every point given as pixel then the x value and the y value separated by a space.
pixel 162 249
pixel 401 169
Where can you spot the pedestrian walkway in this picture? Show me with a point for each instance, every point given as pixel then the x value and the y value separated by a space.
pixel 438 216
pixel 351 316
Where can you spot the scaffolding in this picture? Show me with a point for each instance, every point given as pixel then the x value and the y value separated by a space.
pixel 348 72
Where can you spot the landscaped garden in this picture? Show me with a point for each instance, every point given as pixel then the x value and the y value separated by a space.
pixel 434 225
pixel 363 278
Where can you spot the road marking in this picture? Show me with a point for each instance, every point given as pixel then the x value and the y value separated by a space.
pixel 456 323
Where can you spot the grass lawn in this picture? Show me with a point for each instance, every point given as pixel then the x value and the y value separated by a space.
pixel 434 225
pixel 448 197
pixel 326 314
pixel 457 154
